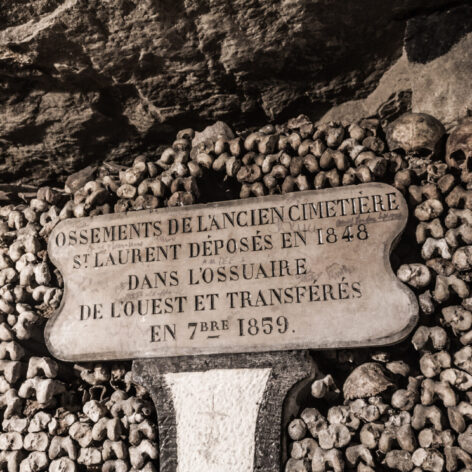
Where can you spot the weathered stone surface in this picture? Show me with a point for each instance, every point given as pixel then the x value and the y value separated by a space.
pixel 431 76
pixel 261 274
pixel 87 80
pixel 224 412
pixel 433 34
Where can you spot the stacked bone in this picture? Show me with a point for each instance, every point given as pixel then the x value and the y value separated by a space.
pixel 274 159
pixel 405 408
pixel 58 417
pixel 408 408
pixel 58 426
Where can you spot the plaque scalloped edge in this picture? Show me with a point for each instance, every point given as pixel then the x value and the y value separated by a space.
pixel 57 327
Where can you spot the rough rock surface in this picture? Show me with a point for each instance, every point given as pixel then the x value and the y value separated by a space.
pixel 81 81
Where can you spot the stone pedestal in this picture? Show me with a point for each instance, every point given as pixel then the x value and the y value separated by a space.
pixel 223 413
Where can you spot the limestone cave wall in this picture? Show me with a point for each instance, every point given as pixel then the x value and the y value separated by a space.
pixel 87 80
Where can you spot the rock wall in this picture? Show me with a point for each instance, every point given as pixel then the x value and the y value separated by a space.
pixel 82 81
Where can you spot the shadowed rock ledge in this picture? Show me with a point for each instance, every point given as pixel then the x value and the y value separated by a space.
pixel 86 80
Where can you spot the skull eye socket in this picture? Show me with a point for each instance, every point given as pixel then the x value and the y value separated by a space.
pixel 400 151
pixel 458 157
pixel 423 152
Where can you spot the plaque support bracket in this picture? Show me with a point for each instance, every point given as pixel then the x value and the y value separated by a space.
pixel 227 412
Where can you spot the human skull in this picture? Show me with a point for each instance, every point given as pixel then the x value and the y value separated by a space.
pixel 416 134
pixel 459 149
pixel 435 170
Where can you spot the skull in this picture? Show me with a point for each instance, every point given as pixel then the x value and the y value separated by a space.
pixel 459 150
pixel 436 170
pixel 416 134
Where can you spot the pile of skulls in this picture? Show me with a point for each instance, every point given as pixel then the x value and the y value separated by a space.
pixel 402 408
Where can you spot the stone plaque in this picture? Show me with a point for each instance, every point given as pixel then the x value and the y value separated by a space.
pixel 303 270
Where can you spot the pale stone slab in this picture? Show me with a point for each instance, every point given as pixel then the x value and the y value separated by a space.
pixel 216 413
pixel 303 270
pixel 224 413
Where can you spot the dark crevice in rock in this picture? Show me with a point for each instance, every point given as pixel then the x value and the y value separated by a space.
pixel 430 36
pixel 435 6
